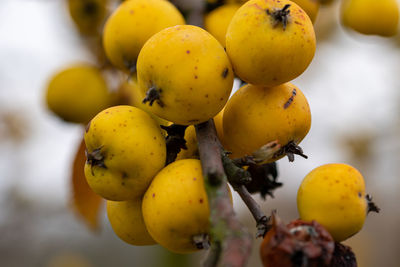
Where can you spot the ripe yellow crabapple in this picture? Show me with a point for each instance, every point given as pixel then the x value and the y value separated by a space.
pixel 175 207
pixel 370 16
pixel 270 42
pixel 77 93
pixel 185 74
pixel 257 115
pixel 125 150
pixel 334 196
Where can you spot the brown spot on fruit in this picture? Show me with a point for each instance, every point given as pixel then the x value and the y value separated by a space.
pixel 225 73
pixel 154 194
pixel 201 200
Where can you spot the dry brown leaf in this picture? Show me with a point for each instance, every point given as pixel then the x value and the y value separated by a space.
pixel 84 201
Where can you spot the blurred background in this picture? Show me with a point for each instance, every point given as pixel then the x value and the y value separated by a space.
pixel 352 85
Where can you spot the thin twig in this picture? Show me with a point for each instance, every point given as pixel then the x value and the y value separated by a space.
pixel 231 242
pixel 261 219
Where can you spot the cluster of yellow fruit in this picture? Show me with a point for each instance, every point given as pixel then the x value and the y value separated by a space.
pixel 147 202
pixel 184 74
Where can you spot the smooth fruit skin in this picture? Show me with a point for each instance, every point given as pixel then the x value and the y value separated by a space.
pixel 175 207
pixel 262 51
pixel 126 219
pixel 132 150
pixel 132 24
pixel 257 115
pixel 370 16
pixel 334 196
pixel 191 72
pixel 77 93
pixel 217 21
pixel 88 15
pixel 311 7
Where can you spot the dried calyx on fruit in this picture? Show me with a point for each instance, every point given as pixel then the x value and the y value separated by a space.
pixel 280 16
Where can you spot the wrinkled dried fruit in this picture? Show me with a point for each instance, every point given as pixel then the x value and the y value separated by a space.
pixel 297 244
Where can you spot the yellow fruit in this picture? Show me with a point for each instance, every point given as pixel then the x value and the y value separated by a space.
pixel 257 115
pixel 217 21
pixel 186 73
pixel 371 16
pixel 125 150
pixel 311 7
pixel 175 207
pixel 88 15
pixel 127 222
pixel 266 48
pixel 77 93
pixel 192 151
pixel 334 196
pixel 132 24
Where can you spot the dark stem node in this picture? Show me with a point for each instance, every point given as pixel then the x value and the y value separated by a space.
pixel 280 16
pixel 153 94
pixel 236 175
